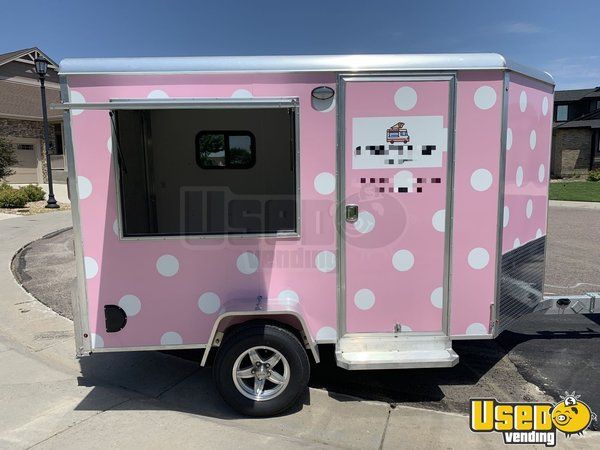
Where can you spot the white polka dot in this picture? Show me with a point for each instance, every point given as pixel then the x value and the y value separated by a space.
pixel 247 263
pixel 365 222
pixel 364 299
pixel 97 341
pixel 505 216
pixel 167 265
pixel 84 186
pixel 209 303
pixel 523 101
pixel 76 97
pixel 405 98
pixel 481 180
pixel 405 328
pixel 288 297
pixel 509 138
pixel 403 260
pixel 538 233
pixel 326 334
pixel 439 220
pixel 91 267
pixel 545 106
pixel 529 208
pixel 519 176
pixel 109 144
pixel 532 139
pixel 477 328
pixel 541 173
pixel 171 338
pixel 478 258
pixel 158 94
pixel 437 297
pixel 485 97
pixel 516 243
pixel 242 93
pixel 325 261
pixel 130 304
pixel 324 183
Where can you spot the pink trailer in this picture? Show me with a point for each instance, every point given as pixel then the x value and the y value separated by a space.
pixel 255 205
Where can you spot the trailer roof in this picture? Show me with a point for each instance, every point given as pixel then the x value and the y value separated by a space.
pixel 299 63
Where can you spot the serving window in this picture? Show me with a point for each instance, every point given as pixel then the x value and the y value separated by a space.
pixel 207 172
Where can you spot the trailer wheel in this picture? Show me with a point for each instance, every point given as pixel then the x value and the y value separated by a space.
pixel 261 370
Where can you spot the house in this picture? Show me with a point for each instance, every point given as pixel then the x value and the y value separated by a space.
pixel 21 116
pixel 576 132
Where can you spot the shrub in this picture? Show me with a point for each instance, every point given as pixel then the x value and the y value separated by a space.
pixel 594 175
pixel 34 193
pixel 7 158
pixel 4 186
pixel 12 198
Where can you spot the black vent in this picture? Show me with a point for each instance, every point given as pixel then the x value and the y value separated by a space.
pixel 115 317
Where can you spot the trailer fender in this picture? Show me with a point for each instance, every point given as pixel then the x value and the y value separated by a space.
pixel 239 311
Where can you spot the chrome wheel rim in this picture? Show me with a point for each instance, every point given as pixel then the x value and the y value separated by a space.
pixel 261 373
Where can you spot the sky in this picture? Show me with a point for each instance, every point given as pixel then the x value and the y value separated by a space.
pixel 562 38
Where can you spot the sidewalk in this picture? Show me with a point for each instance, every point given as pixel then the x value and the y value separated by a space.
pixel 156 400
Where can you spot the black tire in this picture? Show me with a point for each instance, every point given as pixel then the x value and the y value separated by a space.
pixel 243 339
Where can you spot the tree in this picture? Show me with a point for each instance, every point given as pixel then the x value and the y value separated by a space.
pixel 7 158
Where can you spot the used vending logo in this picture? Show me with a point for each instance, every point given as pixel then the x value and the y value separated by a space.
pixel 531 423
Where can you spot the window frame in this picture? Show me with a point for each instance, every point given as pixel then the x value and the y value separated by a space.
pixel 227 134
pixel 290 103
pixel 567 111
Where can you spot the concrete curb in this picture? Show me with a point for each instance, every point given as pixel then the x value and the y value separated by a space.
pixel 581 205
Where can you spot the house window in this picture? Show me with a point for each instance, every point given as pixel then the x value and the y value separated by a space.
pixel 225 149
pixel 597 106
pixel 190 172
pixel 562 113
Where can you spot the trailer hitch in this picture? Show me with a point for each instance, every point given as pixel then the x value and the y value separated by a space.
pixel 572 304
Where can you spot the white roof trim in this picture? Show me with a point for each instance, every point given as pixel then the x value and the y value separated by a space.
pixel 302 63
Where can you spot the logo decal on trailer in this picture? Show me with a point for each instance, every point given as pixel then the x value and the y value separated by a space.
pixel 385 142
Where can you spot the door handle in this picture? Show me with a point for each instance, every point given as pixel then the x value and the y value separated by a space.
pixel 351 213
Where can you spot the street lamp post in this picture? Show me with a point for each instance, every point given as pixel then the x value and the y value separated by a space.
pixel 41 68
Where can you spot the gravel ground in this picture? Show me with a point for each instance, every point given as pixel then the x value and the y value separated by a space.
pixel 537 359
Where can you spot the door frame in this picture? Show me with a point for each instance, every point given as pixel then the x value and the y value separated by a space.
pixel 342 80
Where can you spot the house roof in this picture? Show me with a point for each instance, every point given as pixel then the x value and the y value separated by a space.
pixel 590 120
pixel 20 98
pixel 23 101
pixel 579 124
pixel 11 56
pixel 573 95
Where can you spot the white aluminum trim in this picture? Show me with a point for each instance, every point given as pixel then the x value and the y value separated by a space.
pixel 183 103
pixel 80 304
pixel 147 348
pixel 295 64
pixel 470 337
pixel 250 314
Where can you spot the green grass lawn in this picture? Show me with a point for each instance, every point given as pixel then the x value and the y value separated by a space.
pixel 582 191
